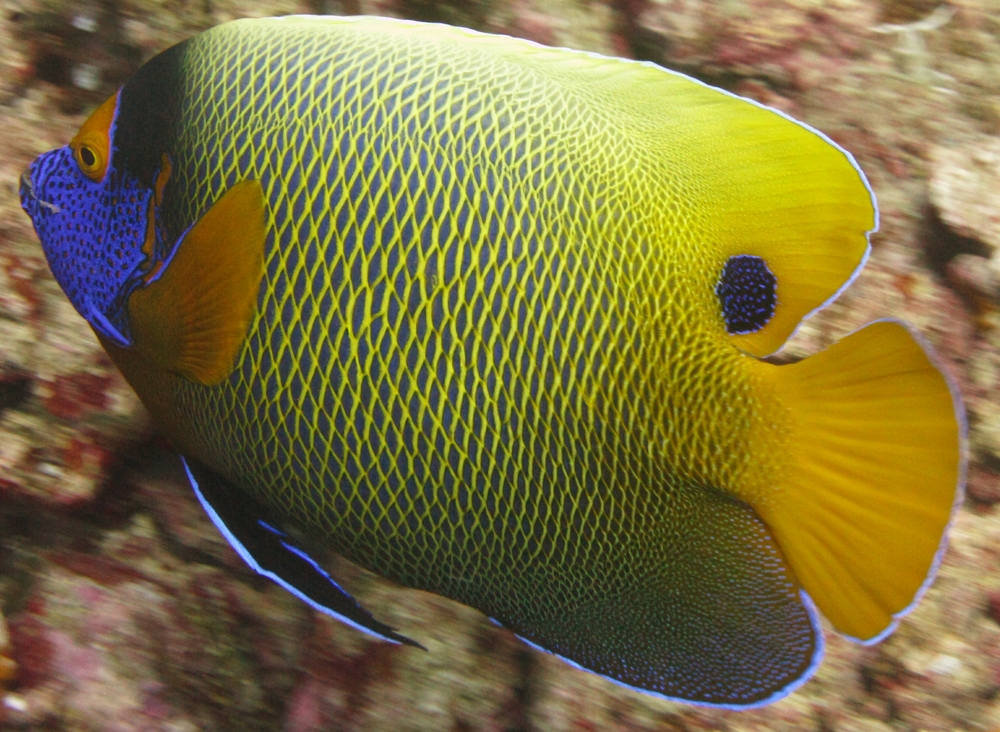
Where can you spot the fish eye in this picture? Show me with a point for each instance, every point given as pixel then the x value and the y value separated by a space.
pixel 89 161
pixel 92 145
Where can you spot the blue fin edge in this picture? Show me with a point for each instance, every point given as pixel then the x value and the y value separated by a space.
pixel 100 321
pixel 781 693
pixel 247 557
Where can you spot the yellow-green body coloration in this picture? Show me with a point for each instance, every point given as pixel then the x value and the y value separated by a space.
pixel 487 356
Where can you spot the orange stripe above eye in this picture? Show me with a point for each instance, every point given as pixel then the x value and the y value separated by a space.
pixel 149 244
pixel 95 137
pixel 162 178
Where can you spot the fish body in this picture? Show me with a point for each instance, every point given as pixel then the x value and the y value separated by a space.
pixel 486 318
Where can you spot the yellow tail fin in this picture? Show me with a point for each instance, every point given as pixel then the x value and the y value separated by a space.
pixel 876 461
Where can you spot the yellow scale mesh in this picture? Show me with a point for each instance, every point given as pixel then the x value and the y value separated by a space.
pixel 489 360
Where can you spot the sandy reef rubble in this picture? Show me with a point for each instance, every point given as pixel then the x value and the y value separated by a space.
pixel 123 609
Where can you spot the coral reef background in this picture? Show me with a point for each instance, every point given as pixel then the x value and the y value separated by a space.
pixel 123 608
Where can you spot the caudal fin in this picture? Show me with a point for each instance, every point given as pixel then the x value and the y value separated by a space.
pixel 876 461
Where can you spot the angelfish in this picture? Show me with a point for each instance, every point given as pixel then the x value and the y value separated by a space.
pixel 488 319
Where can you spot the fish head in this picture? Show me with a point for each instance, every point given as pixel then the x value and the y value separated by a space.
pixel 93 220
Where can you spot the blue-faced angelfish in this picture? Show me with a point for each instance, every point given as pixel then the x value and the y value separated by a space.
pixel 488 319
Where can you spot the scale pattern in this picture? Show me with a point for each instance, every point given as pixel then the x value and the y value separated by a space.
pixel 489 360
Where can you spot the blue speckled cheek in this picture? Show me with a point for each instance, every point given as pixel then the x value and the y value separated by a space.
pixel 91 232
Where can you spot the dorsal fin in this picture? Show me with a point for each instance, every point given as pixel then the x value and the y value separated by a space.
pixel 792 215
pixel 193 319
pixel 747 180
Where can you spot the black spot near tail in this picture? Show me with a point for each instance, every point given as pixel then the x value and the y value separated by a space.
pixel 748 293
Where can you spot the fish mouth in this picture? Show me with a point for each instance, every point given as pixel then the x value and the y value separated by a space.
pixel 26 189
pixel 29 199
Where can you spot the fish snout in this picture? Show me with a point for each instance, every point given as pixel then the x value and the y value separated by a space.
pixel 27 192
pixel 33 185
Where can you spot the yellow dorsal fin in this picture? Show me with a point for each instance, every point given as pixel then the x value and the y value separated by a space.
pixel 750 180
pixel 790 196
pixel 193 320
pixel 876 458
pixel 746 179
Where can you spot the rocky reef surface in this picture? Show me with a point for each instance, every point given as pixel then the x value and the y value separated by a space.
pixel 123 608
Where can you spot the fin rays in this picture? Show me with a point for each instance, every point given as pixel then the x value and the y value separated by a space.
pixel 876 459
pixel 194 318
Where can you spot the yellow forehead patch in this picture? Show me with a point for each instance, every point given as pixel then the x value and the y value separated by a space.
pixel 92 144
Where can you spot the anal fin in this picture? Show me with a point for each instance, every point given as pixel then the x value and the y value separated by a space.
pixel 271 552
pixel 711 615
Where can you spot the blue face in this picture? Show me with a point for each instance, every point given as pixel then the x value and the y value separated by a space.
pixel 92 231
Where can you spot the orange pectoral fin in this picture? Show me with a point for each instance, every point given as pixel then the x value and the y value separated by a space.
pixel 193 319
